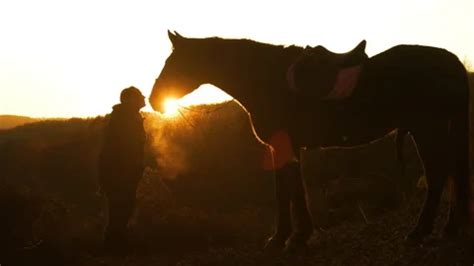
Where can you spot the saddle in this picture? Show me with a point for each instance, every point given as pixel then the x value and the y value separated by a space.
pixel 324 74
pixel 353 57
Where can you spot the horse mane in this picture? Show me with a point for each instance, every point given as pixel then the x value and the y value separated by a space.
pixel 248 46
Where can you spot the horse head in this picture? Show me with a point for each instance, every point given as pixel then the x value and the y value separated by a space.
pixel 182 73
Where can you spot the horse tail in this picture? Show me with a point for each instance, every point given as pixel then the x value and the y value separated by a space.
pixel 399 142
pixel 459 143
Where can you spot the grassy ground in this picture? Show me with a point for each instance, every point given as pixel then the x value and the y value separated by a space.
pixel 201 238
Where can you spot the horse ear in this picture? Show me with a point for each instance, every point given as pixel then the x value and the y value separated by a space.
pixel 175 38
pixel 178 35
pixel 361 46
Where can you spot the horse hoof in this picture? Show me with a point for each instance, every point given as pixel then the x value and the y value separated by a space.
pixel 296 246
pixel 455 233
pixel 274 245
pixel 451 233
pixel 293 249
pixel 416 236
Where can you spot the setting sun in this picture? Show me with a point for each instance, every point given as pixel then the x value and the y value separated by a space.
pixel 171 107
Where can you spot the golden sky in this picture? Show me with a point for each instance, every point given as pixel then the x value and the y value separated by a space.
pixel 62 58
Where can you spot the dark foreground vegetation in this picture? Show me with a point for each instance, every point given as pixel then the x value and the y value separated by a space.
pixel 204 199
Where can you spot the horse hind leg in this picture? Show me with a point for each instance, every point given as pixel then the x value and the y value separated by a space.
pixel 459 143
pixel 399 142
pixel 432 143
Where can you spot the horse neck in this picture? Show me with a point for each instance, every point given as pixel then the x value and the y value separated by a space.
pixel 252 77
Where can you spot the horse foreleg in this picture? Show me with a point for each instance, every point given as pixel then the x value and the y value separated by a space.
pixel 283 217
pixel 290 188
pixel 303 223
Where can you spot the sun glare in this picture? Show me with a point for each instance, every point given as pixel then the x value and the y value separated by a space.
pixel 171 107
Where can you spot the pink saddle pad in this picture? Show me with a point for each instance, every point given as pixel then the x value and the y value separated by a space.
pixel 346 81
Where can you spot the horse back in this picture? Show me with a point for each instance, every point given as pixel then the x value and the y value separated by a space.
pixel 411 63
pixel 412 78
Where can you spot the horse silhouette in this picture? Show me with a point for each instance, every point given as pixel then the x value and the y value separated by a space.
pixel 422 90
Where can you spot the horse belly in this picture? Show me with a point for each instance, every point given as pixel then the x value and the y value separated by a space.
pixel 355 134
pixel 341 124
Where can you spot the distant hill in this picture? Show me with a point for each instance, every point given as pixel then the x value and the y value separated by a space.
pixel 11 121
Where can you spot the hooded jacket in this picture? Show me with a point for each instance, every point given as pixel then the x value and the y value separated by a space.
pixel 122 154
